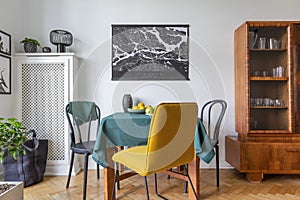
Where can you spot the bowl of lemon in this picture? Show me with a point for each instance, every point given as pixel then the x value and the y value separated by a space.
pixel 139 108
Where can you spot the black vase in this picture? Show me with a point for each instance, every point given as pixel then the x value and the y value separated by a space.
pixel 127 102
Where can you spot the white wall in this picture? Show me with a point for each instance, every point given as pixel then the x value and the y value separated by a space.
pixel 11 23
pixel 212 24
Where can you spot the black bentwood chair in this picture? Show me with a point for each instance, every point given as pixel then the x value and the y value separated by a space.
pixel 212 114
pixel 84 119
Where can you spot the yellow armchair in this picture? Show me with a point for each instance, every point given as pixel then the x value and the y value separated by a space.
pixel 170 142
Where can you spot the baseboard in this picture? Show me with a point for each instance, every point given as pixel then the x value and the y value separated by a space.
pixel 61 168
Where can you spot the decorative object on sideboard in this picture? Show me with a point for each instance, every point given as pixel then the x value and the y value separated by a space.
pixel 46 50
pixel 5 43
pixel 61 38
pixel 127 102
pixel 30 45
pixel 5 74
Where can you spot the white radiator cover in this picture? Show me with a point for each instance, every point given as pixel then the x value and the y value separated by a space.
pixel 45 87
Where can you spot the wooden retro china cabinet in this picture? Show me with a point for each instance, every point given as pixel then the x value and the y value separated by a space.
pixel 267 99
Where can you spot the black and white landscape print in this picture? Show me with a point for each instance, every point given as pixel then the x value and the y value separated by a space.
pixel 150 52
pixel 5 74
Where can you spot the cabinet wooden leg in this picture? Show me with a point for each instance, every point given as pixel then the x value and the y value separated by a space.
pixel 255 177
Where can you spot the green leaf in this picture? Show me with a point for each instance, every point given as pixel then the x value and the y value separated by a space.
pixel 34 41
pixel 12 138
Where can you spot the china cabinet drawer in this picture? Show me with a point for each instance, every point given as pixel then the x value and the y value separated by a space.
pixel 267 157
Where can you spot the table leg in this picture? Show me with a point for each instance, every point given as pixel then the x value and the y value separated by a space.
pixel 108 182
pixel 109 175
pixel 194 172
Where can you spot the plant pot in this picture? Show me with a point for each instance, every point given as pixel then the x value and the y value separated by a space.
pixel 28 168
pixel 30 47
pixel 15 192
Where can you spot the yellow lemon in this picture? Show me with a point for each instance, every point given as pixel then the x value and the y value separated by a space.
pixel 141 104
pixel 135 107
pixel 141 107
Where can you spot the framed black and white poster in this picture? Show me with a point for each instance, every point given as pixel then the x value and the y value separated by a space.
pixel 5 75
pixel 150 52
pixel 5 43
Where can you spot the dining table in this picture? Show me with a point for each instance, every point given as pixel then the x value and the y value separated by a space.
pixel 123 129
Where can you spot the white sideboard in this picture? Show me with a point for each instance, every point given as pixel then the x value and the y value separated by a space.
pixel 43 86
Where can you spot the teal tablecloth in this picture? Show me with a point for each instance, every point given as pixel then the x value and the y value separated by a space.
pixel 127 129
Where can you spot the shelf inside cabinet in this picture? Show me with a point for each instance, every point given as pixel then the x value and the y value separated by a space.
pixel 254 78
pixel 269 50
pixel 268 107
pixel 262 132
pixel 267 118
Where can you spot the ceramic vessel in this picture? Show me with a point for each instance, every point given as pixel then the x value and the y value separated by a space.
pixel 127 102
pixel 30 47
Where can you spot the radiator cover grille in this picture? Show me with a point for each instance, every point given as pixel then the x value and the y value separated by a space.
pixel 43 91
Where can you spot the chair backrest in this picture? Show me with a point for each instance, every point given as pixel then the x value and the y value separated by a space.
pixel 83 117
pixel 212 114
pixel 171 136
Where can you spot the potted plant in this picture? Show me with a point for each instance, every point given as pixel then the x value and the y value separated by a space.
pixel 12 138
pixel 22 159
pixel 30 45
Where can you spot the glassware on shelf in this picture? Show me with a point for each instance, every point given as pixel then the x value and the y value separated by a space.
pixel 252 39
pixel 256 73
pixel 274 43
pixel 266 102
pixel 278 71
pixel 262 42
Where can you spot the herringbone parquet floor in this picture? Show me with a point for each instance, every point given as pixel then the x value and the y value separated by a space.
pixel 233 186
